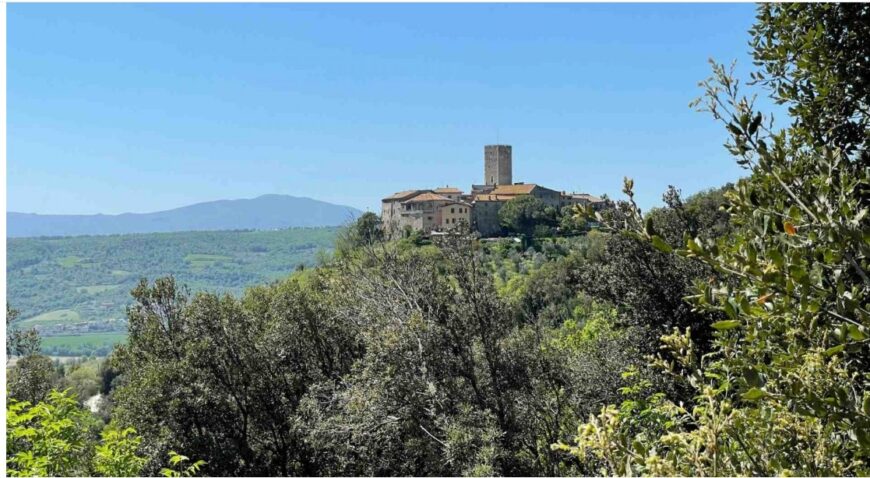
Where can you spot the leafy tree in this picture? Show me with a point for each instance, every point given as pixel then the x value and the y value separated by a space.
pixel 117 454
pixel 522 215
pixel 701 215
pixel 82 379
pixel 57 437
pixel 573 220
pixel 18 342
pixel 786 389
pixel 367 229
pixel 432 392
pixel 31 379
pixel 223 378
pixel 814 60
pixel 51 438
pixel 177 461
pixel 454 378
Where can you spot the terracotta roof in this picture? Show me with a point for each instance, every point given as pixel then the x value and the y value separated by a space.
pixel 428 197
pixel 404 194
pixel 448 190
pixel 514 189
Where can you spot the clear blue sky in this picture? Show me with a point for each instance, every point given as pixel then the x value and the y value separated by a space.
pixel 117 108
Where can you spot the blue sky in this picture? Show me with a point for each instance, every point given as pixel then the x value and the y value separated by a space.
pixel 136 108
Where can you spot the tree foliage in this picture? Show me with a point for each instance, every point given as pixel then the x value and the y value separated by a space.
pixel 57 437
pixel 785 389
pixel 528 215
pixel 20 342
pixel 393 358
pixel 226 376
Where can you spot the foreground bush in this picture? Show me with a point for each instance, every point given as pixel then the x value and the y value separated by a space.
pixel 785 388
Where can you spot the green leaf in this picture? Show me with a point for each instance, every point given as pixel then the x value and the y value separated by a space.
pixel 661 245
pixel 726 324
pixel 855 333
pixel 835 350
pixel 694 246
pixel 755 123
pixel 753 394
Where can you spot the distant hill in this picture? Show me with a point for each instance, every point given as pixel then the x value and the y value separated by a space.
pixel 272 211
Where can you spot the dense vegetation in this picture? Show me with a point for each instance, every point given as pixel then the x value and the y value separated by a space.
pixel 77 288
pixel 722 334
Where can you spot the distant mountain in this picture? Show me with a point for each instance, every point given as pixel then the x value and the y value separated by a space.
pixel 272 211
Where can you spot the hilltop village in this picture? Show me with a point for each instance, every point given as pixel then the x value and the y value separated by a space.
pixel 445 208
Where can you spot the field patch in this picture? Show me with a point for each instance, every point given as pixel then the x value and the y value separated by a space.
pixel 70 261
pixel 96 289
pixel 119 273
pixel 62 316
pixel 84 344
pixel 198 261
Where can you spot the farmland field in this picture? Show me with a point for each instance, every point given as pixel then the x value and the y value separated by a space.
pixel 71 288
pixel 51 318
pixel 82 344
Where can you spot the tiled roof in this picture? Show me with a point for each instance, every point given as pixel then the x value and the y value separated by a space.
pixel 404 194
pixel 429 197
pixel 514 189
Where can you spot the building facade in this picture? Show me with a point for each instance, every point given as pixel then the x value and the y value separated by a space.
pixel 447 208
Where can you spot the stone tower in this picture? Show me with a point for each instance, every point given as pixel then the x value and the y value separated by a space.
pixel 497 165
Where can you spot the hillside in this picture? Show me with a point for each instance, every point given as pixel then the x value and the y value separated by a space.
pixel 78 287
pixel 271 211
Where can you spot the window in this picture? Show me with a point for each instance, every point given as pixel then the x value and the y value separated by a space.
pixel 451 210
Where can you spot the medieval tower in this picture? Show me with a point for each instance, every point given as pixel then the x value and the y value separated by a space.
pixel 497 165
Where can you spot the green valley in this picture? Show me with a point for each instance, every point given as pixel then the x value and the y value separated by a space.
pixel 74 290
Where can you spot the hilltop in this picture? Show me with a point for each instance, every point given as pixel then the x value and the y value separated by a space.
pixel 271 211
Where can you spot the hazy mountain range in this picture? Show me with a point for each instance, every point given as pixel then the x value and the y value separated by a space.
pixel 272 211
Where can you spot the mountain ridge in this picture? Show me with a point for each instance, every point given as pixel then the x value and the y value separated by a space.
pixel 269 211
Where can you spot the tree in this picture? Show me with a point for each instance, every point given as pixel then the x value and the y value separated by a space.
pixel 786 389
pixel 367 229
pixel 223 378
pixel 57 437
pixel 573 221
pixel 523 214
pixel 50 438
pixel 31 379
pixel 815 60
pixel 647 286
pixel 117 455
pixel 20 342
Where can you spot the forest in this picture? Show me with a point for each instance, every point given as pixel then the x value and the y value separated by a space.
pixel 724 333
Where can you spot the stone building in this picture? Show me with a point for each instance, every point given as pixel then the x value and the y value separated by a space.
pixel 447 208
pixel 497 165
